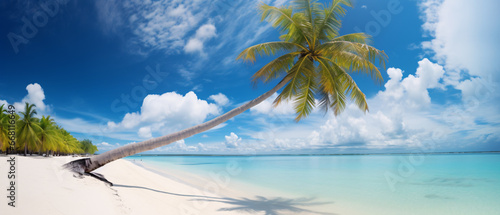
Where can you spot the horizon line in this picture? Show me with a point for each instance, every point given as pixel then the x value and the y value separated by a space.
pixel 312 154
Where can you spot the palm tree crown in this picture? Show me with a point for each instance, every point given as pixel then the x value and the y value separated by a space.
pixel 4 137
pixel 48 134
pixel 315 60
pixel 28 128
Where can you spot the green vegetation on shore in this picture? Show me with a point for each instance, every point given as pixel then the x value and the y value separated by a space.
pixel 38 135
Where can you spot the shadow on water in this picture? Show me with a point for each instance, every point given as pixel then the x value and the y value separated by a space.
pixel 258 204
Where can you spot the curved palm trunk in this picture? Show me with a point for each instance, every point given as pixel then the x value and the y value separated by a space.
pixel 89 164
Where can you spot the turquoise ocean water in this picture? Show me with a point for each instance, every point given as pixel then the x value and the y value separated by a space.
pixel 361 184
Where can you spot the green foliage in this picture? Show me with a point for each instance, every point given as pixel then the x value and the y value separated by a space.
pixel 4 117
pixel 27 129
pixel 88 147
pixel 34 135
pixel 315 60
pixel 48 134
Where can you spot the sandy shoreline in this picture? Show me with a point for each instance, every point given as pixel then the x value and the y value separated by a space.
pixel 43 187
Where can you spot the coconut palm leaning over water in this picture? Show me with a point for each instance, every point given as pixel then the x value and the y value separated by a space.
pixel 315 61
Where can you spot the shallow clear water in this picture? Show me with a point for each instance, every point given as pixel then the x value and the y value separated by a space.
pixel 364 184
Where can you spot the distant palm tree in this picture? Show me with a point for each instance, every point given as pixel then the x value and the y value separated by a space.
pixel 28 128
pixel 4 129
pixel 47 135
pixel 315 61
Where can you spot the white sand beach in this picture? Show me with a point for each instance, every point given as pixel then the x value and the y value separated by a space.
pixel 43 187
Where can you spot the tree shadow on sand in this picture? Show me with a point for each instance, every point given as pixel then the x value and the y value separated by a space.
pixel 271 206
pixel 258 204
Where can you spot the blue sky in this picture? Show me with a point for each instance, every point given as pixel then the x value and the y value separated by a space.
pixel 119 72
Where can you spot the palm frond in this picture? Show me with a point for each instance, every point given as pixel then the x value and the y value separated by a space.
pixel 304 100
pixel 294 26
pixel 346 85
pixel 355 57
pixel 354 63
pixel 311 9
pixel 355 38
pixel 302 69
pixel 328 23
pixel 268 49
pixel 332 86
pixel 275 68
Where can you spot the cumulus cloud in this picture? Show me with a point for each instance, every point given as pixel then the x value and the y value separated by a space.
pixel 167 113
pixel 35 96
pixel 398 115
pixel 232 141
pixel 467 53
pixel 196 43
pixel 206 31
pixel 413 89
pixel 220 99
pixel 267 107
pixel 402 116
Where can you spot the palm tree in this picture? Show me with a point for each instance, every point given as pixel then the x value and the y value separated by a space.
pixel 315 61
pixel 28 128
pixel 47 135
pixel 4 125
pixel 88 147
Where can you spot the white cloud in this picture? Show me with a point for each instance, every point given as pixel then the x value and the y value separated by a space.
pixel 105 146
pixel 413 89
pixel 232 141
pixel 399 115
pixel 145 132
pixel 160 114
pixel 35 96
pixel 206 31
pixel 220 99
pixel 187 75
pixel 465 40
pixel 196 43
pixel 157 25
pixel 267 107
pixel 179 146
pixel 427 76
pixel 201 147
pixel 167 113
pixel 469 57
